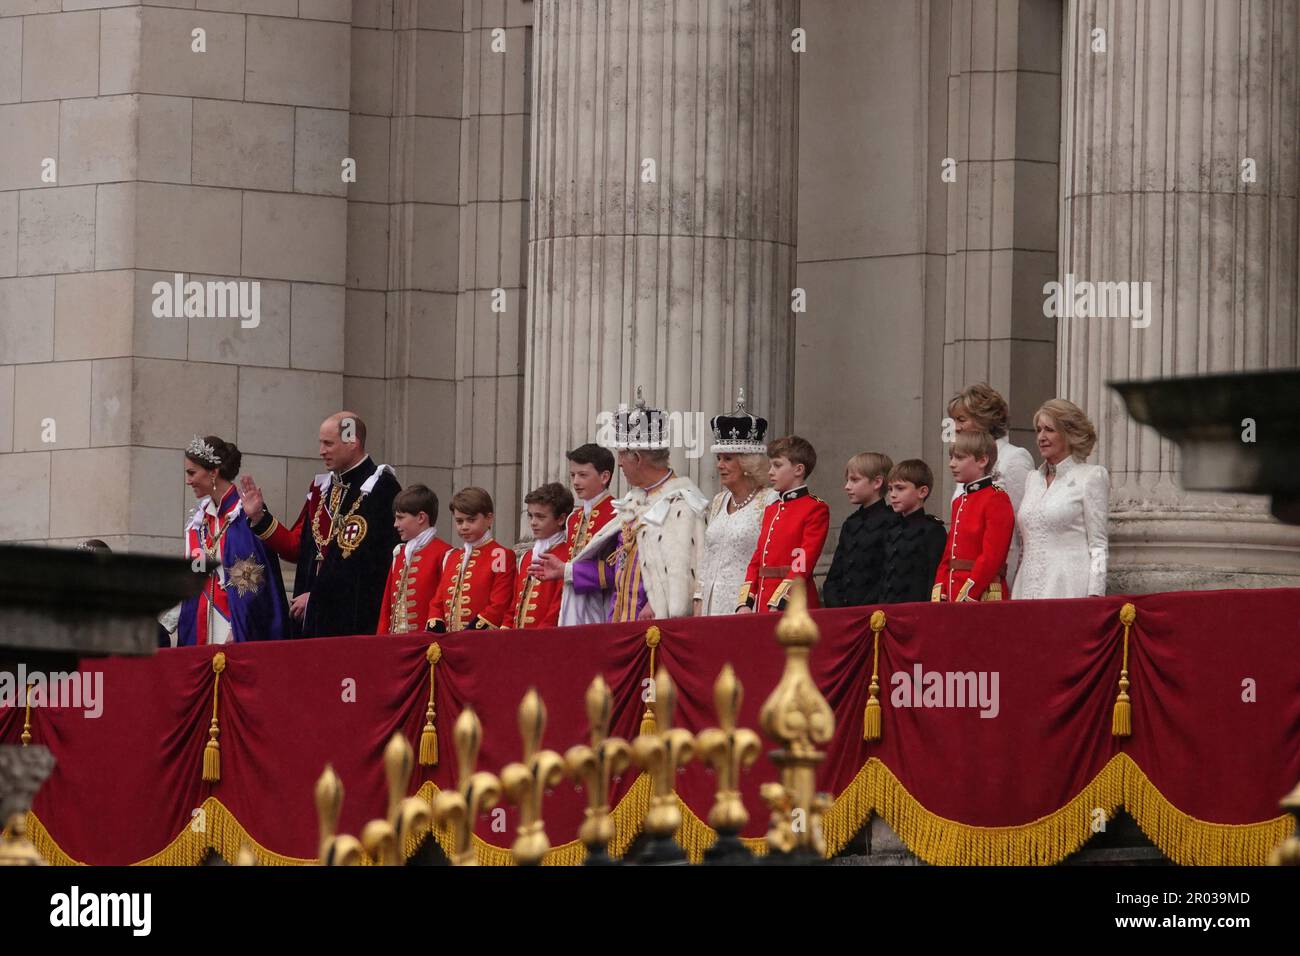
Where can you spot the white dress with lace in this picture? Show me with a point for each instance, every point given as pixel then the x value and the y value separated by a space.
pixel 729 542
pixel 1063 532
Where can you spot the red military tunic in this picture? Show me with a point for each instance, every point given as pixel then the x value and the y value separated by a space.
pixel 411 585
pixel 287 542
pixel 582 525
pixel 474 592
pixel 789 543
pixel 537 603
pixel 974 564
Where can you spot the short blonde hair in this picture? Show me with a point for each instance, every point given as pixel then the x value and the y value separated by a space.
pixel 985 407
pixel 977 444
pixel 869 464
pixel 1073 423
pixel 754 468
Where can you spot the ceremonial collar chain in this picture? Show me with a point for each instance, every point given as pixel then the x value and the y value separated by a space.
pixel 338 491
pixel 209 543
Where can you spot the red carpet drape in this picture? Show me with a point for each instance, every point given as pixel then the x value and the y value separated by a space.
pixel 1027 777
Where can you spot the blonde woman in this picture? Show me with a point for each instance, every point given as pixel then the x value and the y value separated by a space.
pixel 736 514
pixel 1062 517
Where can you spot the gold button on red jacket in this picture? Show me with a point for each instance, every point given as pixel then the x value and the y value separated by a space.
pixel 790 541
pixel 410 587
pixel 975 558
pixel 474 591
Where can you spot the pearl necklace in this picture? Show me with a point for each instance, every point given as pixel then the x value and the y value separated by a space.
pixel 748 499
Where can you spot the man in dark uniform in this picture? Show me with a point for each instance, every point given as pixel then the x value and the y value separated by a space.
pixel 343 539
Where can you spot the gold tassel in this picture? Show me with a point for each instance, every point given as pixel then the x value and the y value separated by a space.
pixel 27 718
pixel 429 736
pixel 212 751
pixel 648 725
pixel 871 719
pixel 1121 721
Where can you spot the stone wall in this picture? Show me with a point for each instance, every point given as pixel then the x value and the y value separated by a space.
pixel 227 164
pixel 918 285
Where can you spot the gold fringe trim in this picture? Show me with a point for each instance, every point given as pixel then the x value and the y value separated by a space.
pixel 627 817
pixel 1051 838
pixel 220 832
pixel 696 836
pixel 875 790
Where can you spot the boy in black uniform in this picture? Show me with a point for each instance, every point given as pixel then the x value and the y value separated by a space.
pixel 855 574
pixel 914 543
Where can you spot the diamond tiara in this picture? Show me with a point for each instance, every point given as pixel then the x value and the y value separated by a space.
pixel 201 451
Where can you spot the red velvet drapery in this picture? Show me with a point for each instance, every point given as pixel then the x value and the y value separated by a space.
pixel 1202 772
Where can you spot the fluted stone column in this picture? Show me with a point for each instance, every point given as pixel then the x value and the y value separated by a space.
pixel 1155 132
pixel 661 248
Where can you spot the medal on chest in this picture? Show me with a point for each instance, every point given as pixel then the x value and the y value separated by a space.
pixel 348 532
pixel 351 534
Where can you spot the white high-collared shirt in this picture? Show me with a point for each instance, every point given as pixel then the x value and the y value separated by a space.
pixel 541 546
pixel 1063 532
pixel 418 542
pixel 466 548
pixel 469 546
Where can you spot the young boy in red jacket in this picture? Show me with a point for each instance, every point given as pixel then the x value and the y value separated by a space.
pixel 793 532
pixel 537 602
pixel 417 561
pixel 478 579
pixel 974 563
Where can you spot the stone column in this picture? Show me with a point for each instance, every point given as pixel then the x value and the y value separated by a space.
pixel 1160 134
pixel 662 242
pixel 222 165
pixel 1000 210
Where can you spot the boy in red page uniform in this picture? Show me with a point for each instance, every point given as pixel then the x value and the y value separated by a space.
pixel 479 578
pixel 590 470
pixel 974 563
pixel 591 467
pixel 417 561
pixel 537 602
pixel 793 532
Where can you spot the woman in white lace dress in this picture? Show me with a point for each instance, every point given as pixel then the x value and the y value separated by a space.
pixel 736 514
pixel 1063 514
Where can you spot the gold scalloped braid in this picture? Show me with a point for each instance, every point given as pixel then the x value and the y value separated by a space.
pixel 1051 838
pixel 627 817
pixel 937 840
pixel 696 836
pixel 222 833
